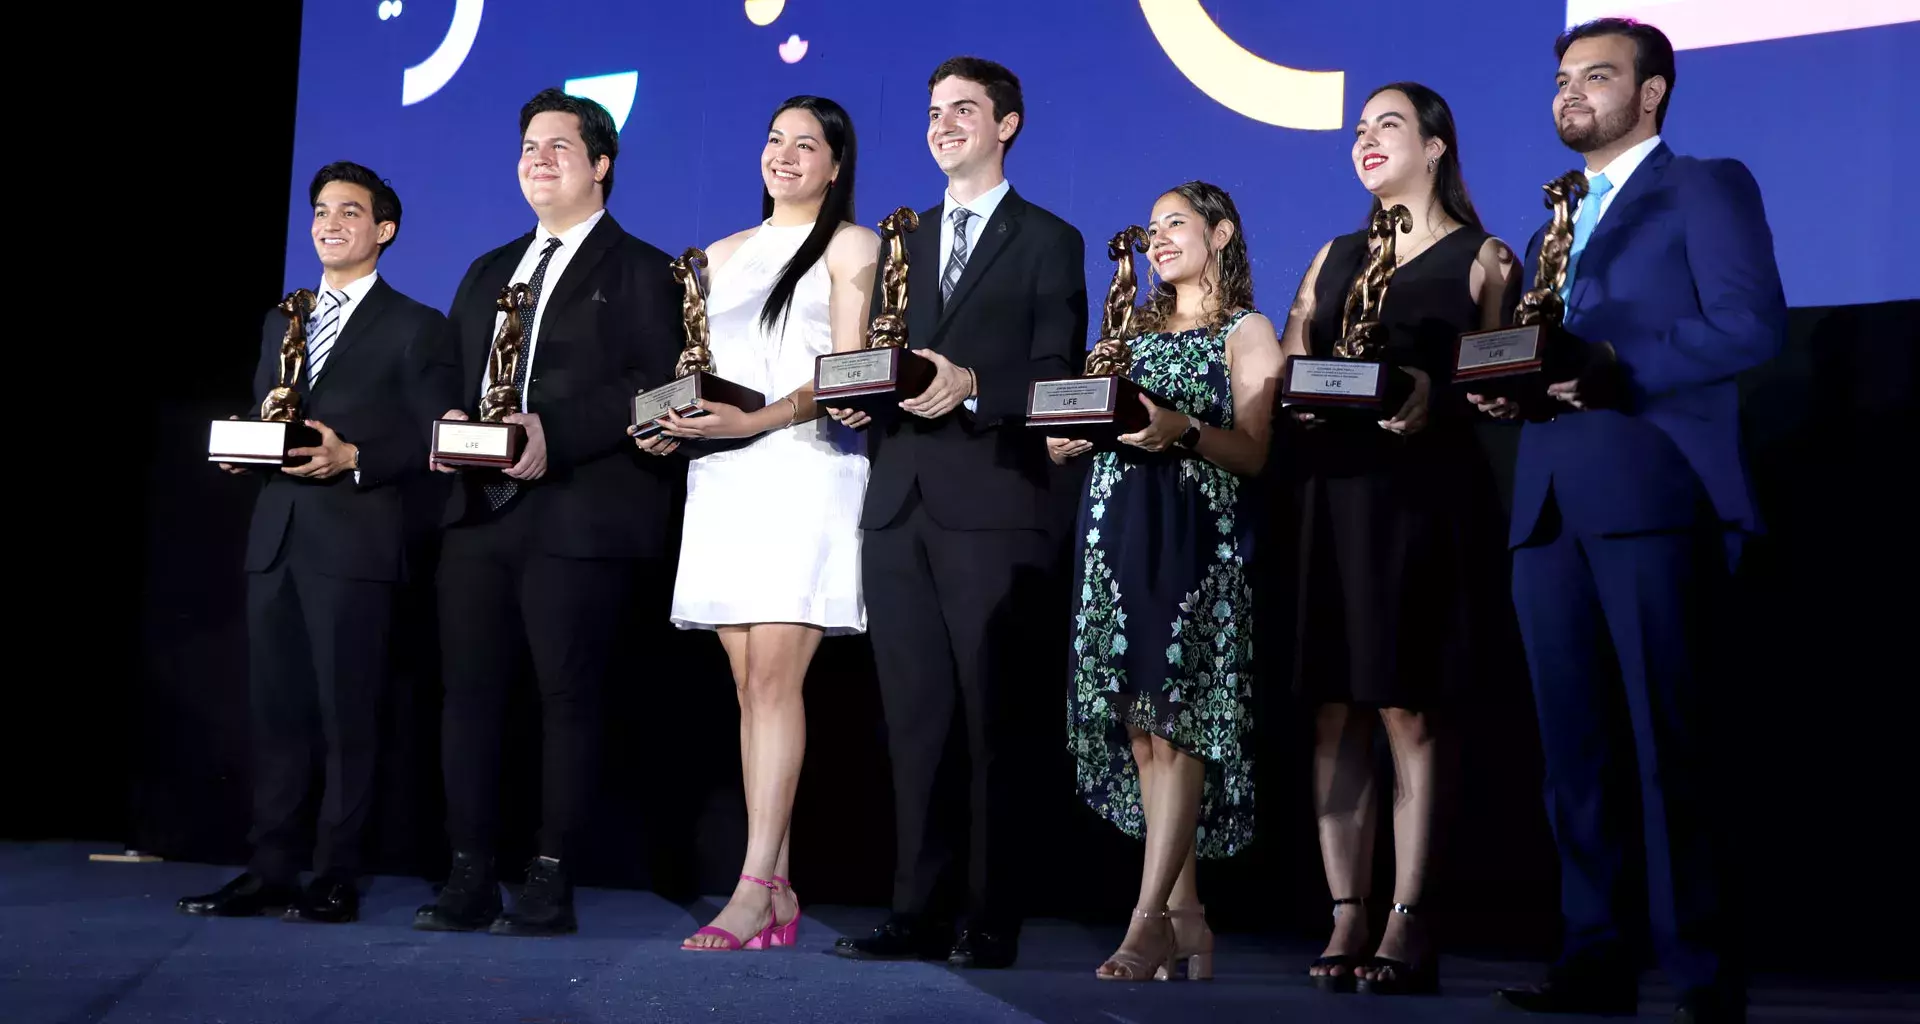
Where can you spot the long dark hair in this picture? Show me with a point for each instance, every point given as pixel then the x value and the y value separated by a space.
pixel 1234 289
pixel 836 209
pixel 1436 122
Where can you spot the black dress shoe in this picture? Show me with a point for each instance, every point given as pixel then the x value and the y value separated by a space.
pixel 983 948
pixel 1566 994
pixel 901 937
pixel 246 896
pixel 328 899
pixel 545 906
pixel 468 902
pixel 1710 1006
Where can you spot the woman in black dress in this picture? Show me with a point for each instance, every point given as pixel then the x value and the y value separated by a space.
pixel 1397 520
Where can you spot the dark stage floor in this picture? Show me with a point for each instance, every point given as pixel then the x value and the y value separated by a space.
pixel 82 941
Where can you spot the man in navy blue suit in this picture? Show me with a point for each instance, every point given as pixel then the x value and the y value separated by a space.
pixel 1629 505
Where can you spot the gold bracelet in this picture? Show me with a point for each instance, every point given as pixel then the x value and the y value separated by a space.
pixel 795 417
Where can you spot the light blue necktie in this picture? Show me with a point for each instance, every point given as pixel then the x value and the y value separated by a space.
pixel 1583 227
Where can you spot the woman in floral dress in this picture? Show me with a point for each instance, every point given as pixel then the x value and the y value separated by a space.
pixel 1160 695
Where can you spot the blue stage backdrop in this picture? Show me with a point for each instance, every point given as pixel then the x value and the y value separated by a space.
pixel 1124 99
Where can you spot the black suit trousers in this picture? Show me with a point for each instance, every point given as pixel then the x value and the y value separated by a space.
pixel 952 616
pixel 318 671
pixel 501 599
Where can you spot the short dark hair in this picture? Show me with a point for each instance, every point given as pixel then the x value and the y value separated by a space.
pixel 597 129
pixel 1003 88
pixel 1652 53
pixel 386 202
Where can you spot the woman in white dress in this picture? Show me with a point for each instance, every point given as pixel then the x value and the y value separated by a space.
pixel 770 553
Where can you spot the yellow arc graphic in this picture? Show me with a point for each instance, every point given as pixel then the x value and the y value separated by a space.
pixel 1243 82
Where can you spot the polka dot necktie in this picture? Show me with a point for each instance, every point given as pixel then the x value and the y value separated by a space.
pixel 500 491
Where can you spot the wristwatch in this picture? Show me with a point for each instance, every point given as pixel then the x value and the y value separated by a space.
pixel 1191 436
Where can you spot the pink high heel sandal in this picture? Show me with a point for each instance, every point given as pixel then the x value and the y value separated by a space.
pixel 787 934
pixel 763 939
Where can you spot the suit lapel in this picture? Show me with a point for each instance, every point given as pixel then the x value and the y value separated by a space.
pixel 595 245
pixel 1643 182
pixel 359 325
pixel 923 286
pixel 994 238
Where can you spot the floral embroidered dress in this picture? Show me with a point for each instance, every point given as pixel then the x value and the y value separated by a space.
pixel 1163 635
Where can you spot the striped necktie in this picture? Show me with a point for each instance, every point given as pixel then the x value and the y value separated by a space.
pixel 322 330
pixel 956 262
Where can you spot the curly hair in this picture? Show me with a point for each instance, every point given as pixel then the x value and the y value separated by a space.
pixel 1229 288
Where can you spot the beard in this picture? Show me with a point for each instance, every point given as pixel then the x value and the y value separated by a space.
pixel 1601 132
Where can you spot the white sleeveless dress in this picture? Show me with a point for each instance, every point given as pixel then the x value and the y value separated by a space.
pixel 772 530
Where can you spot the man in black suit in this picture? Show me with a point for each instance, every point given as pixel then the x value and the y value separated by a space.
pixel 325 555
pixel 541 558
pixel 957 548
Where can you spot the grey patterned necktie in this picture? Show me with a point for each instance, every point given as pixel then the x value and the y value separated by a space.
pixel 322 331
pixel 957 260
pixel 500 491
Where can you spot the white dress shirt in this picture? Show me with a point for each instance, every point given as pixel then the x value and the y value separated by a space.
pixel 570 241
pixel 355 290
pixel 1618 172
pixel 981 209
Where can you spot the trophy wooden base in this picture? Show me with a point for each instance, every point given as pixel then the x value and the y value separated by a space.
pixel 1517 364
pixel 682 398
pixel 1097 409
pixel 1356 390
pixel 470 444
pixel 874 381
pixel 259 442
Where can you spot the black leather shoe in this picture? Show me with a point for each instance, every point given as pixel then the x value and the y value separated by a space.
pixel 901 937
pixel 468 902
pixel 1710 1006
pixel 1566 994
pixel 545 906
pixel 983 948
pixel 246 896
pixel 328 899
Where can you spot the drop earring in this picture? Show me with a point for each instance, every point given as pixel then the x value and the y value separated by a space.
pixel 1431 164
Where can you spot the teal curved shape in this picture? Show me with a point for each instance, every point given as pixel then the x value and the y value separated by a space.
pixel 614 92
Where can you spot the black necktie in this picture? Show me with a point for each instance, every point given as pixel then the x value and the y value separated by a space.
pixel 499 492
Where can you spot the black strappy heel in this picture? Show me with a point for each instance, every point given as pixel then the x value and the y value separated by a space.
pixel 1331 982
pixel 1406 979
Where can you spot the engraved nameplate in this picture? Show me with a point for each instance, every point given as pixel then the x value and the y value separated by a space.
pixel 488 440
pixel 1072 396
pixel 1333 377
pixel 247 441
pixel 677 396
pixel 1487 350
pixel 854 369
